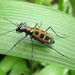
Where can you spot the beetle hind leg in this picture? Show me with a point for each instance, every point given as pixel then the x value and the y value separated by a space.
pixel 54 32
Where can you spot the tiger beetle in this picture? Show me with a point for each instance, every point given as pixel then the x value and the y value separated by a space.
pixel 36 33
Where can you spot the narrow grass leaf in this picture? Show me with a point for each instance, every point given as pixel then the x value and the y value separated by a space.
pixel 62 23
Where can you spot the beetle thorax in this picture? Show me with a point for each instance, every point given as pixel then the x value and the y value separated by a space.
pixel 24 28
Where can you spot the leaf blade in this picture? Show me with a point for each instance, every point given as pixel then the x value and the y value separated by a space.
pixel 31 13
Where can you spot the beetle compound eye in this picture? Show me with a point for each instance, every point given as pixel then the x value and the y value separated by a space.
pixel 16 29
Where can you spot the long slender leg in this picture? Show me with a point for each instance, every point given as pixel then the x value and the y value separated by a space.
pixel 58 52
pixel 32 56
pixel 16 44
pixel 11 22
pixel 54 32
pixel 38 24
pixel 25 23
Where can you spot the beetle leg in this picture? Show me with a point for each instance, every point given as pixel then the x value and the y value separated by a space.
pixel 25 23
pixel 38 25
pixel 54 32
pixel 17 43
pixel 32 54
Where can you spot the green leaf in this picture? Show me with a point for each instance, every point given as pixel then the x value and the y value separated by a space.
pixel 39 1
pixel 2 72
pixel 51 70
pixel 66 72
pixel 73 72
pixel 60 3
pixel 63 24
pixel 73 6
pixel 7 63
pixel 68 7
pixel 19 68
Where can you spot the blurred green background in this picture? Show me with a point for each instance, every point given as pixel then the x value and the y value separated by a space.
pixel 17 63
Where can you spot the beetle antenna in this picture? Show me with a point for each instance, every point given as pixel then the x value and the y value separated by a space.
pixel 7 32
pixel 32 57
pixel 58 52
pixel 10 21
